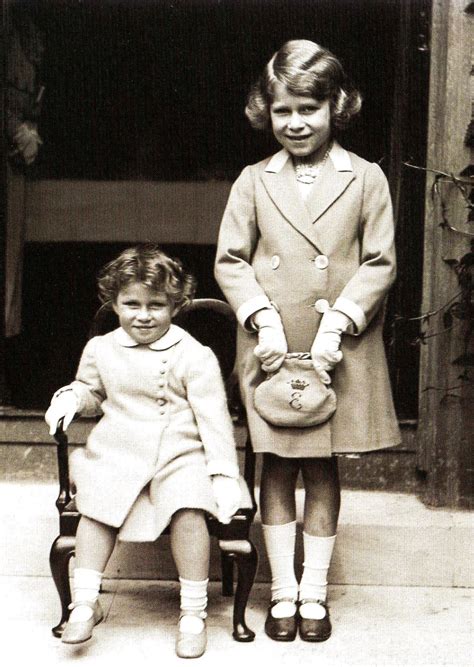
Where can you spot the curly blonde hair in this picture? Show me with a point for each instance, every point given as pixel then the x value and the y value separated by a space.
pixel 304 68
pixel 149 265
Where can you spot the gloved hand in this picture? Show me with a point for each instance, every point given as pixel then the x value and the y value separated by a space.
pixel 27 141
pixel 62 405
pixel 272 346
pixel 227 496
pixel 325 352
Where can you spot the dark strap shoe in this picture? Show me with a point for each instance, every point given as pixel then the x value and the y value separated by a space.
pixel 315 629
pixel 281 629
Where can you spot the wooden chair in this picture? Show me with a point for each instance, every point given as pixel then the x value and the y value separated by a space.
pixel 213 323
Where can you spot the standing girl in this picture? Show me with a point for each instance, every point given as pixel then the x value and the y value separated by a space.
pixel 162 453
pixel 306 258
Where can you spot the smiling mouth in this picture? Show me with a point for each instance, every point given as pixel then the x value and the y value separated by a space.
pixel 307 136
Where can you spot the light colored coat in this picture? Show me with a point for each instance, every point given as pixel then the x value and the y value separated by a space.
pixel 165 430
pixel 334 249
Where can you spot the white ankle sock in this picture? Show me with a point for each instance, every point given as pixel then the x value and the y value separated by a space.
pixel 193 597
pixel 86 589
pixel 280 546
pixel 313 585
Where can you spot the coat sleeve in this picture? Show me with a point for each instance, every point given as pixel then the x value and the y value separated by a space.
pixel 88 385
pixel 207 398
pixel 365 292
pixel 237 240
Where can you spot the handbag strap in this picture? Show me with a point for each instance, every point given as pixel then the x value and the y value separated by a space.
pixel 298 355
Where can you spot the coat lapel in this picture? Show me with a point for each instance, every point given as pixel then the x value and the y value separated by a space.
pixel 329 186
pixel 280 183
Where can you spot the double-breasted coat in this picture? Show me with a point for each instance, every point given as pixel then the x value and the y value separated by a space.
pixel 164 431
pixel 334 249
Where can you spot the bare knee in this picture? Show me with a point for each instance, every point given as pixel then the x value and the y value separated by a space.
pixel 320 472
pixel 188 520
pixel 279 468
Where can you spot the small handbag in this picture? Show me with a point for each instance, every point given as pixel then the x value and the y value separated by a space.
pixel 294 396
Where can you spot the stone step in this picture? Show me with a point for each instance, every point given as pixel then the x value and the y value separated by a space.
pixel 386 539
pixel 27 452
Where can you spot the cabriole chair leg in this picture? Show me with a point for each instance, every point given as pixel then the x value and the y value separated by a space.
pixel 227 567
pixel 61 553
pixel 245 555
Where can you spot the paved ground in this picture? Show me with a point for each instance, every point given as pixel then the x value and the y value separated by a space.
pixel 373 625
pixel 423 618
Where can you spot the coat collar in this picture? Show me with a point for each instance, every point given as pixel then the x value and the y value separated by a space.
pixel 171 337
pixel 280 183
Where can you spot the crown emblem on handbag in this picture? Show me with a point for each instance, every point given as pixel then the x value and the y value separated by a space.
pixel 298 384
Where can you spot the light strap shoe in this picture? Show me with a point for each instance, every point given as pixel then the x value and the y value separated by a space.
pixel 77 632
pixel 190 644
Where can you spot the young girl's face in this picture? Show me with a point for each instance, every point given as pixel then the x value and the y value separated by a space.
pixel 300 124
pixel 143 313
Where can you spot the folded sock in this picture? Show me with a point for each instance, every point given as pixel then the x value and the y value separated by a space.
pixel 193 604
pixel 313 586
pixel 86 588
pixel 280 546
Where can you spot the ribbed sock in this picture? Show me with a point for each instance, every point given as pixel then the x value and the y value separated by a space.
pixel 280 545
pixel 86 588
pixel 193 604
pixel 313 585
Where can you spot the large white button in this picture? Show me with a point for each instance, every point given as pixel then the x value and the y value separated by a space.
pixel 275 262
pixel 321 305
pixel 321 262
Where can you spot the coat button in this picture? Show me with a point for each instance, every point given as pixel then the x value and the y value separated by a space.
pixel 321 262
pixel 275 262
pixel 321 305
pixel 161 383
pixel 161 401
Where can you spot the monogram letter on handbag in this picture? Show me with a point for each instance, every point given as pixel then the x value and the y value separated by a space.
pixel 294 396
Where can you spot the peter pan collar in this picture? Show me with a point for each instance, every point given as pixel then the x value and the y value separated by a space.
pixel 338 155
pixel 171 337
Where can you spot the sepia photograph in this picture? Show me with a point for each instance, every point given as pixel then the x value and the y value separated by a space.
pixel 237 343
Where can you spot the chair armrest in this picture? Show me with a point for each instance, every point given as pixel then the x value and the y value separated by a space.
pixel 64 496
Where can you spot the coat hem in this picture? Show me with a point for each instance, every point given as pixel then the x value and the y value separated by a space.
pixel 336 452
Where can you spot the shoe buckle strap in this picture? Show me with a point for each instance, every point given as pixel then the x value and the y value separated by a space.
pixel 83 603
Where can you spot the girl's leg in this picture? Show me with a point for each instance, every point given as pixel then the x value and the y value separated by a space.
pixel 190 546
pixel 94 545
pixel 321 512
pixel 277 500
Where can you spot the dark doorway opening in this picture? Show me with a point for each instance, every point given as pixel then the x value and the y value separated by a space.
pixel 155 91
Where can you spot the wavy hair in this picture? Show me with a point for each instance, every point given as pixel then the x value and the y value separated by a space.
pixel 150 266
pixel 304 68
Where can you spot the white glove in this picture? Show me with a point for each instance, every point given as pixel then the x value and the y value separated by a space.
pixel 272 346
pixel 62 405
pixel 325 352
pixel 227 496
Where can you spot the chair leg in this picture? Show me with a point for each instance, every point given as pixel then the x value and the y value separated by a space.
pixel 227 567
pixel 247 560
pixel 61 552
